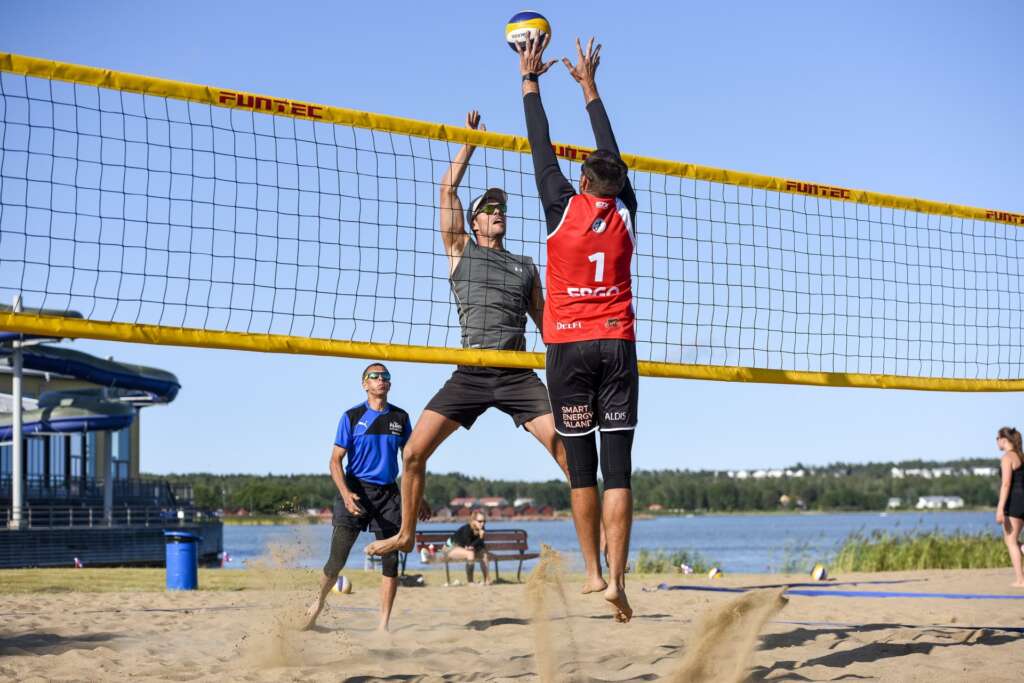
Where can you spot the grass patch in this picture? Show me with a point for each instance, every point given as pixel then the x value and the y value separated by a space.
pixel 881 552
pixel 665 562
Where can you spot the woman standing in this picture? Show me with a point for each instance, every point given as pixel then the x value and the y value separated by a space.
pixel 1010 511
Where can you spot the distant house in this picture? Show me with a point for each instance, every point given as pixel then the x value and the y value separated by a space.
pixel 984 471
pixel 546 511
pixel 493 502
pixel 655 507
pixel 443 513
pixel 463 512
pixel 894 503
pixel 522 502
pixel 940 503
pixel 464 502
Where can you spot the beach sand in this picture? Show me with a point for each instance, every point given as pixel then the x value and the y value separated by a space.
pixel 524 632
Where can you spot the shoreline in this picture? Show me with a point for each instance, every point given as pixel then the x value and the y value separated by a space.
pixel 565 515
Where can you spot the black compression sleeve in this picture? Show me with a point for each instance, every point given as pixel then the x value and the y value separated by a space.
pixel 617 459
pixel 554 189
pixel 605 139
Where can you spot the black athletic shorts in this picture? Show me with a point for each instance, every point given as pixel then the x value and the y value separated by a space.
pixel 471 390
pixel 593 385
pixel 1014 503
pixel 382 507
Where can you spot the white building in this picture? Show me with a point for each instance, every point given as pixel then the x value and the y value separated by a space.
pixel 940 503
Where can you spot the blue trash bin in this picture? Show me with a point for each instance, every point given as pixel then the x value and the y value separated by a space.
pixel 182 560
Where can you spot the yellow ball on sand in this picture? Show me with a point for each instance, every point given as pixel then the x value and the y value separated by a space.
pixel 715 573
pixel 819 573
pixel 342 585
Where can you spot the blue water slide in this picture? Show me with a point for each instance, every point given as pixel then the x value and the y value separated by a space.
pixel 162 386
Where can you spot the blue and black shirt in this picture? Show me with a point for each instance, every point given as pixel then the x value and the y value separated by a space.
pixel 371 440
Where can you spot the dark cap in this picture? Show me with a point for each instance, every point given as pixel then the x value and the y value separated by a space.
pixel 494 194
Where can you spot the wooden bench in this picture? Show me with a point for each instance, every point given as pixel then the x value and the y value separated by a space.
pixel 501 544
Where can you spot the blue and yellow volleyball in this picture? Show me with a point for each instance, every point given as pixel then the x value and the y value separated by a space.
pixel 525 25
pixel 819 573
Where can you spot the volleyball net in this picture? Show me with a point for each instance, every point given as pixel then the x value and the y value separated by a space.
pixel 172 213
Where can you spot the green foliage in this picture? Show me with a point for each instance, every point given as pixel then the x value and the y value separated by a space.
pixel 835 487
pixel 665 562
pixel 882 552
pixel 272 494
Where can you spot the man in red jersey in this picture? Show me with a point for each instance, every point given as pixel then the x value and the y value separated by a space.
pixel 592 374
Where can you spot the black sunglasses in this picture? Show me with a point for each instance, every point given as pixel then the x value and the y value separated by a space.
pixel 386 376
pixel 491 208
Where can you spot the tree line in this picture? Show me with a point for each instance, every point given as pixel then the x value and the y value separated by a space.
pixel 833 487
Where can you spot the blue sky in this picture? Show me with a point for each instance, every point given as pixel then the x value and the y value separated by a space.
pixel 915 98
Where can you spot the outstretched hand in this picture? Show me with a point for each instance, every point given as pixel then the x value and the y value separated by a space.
pixel 585 69
pixel 473 121
pixel 531 56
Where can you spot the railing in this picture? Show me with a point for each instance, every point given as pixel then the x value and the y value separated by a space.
pixel 156 492
pixel 72 516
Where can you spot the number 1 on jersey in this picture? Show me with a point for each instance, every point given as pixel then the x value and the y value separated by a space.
pixel 597 259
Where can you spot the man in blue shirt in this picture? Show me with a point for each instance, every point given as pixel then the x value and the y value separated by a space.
pixel 370 435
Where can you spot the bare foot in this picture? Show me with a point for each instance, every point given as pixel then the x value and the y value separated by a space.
pixel 594 585
pixel 1017 584
pixel 311 615
pixel 617 597
pixel 396 543
pixel 383 627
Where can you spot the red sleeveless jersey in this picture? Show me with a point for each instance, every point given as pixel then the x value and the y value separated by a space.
pixel 590 293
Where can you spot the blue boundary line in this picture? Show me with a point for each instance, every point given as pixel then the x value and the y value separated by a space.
pixel 819 592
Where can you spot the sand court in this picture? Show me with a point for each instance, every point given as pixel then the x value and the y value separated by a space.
pixel 520 632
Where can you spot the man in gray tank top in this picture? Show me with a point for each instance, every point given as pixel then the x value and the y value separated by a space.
pixel 495 291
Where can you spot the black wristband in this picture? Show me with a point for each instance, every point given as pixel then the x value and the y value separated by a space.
pixel 531 77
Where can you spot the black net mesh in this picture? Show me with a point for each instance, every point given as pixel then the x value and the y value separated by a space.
pixel 141 209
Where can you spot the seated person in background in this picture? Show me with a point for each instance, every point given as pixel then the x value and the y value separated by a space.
pixel 467 543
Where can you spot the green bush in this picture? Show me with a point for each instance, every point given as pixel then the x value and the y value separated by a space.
pixel 881 552
pixel 664 562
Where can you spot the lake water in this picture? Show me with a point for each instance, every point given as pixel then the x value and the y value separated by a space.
pixel 736 543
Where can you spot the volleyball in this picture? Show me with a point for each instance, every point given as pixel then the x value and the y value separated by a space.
pixel 525 25
pixel 342 585
pixel 819 573
pixel 715 573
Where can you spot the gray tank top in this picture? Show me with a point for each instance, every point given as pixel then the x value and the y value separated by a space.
pixel 492 290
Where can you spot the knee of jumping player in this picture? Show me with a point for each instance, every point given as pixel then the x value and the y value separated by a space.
pixel 413 459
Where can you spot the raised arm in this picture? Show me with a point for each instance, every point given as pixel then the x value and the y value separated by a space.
pixel 584 72
pixel 554 189
pixel 537 302
pixel 453 223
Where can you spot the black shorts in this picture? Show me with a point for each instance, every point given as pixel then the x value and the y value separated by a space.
pixel 593 385
pixel 1015 503
pixel 382 507
pixel 470 391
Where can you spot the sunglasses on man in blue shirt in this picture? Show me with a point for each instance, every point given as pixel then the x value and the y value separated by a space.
pixel 385 376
